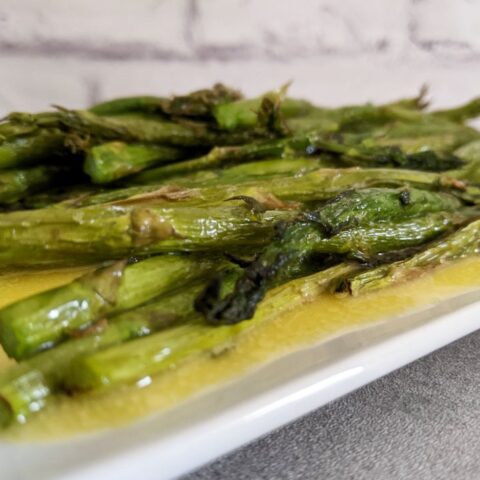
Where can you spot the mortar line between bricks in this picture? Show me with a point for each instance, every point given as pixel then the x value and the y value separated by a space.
pixel 148 52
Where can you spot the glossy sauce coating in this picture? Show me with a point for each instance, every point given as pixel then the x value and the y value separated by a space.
pixel 323 318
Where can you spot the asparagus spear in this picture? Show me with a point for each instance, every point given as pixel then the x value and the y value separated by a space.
pixel 65 236
pixel 26 388
pixel 111 161
pixel 386 149
pixel 17 184
pixel 247 114
pixel 167 350
pixel 304 144
pixel 359 118
pixel 462 113
pixel 242 173
pixel 133 127
pixel 300 246
pixel 227 106
pixel 398 112
pixel 9 130
pixel 418 102
pixel 42 321
pixel 23 143
pixel 321 184
pixel 462 243
pixel 224 156
pixel 470 153
pixel 196 104
pixel 137 104
pixel 413 137
pixel 368 244
pixel 23 150
pixel 303 116
pixel 364 207
pixel 389 156
pixel 409 130
pixel 343 226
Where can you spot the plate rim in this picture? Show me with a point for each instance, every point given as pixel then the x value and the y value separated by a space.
pixel 252 418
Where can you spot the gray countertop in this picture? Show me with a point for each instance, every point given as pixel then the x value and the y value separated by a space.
pixel 420 422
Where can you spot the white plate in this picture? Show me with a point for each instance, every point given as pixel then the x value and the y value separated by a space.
pixel 168 445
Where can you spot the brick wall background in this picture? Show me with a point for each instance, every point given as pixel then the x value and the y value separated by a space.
pixel 76 52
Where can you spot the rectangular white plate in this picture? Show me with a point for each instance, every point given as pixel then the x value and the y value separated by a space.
pixel 170 444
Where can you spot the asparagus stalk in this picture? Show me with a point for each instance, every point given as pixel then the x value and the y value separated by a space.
pixel 363 207
pixel 167 350
pixel 196 104
pixel 321 184
pixel 137 104
pixel 42 321
pixel 369 243
pixel 470 154
pixel 24 150
pixel 9 130
pixel 359 118
pixel 390 156
pixel 418 102
pixel 225 156
pixel 382 151
pixel 134 127
pixel 303 116
pixel 65 236
pixel 27 388
pixel 462 113
pixel 343 226
pixel 242 173
pixel 414 137
pixel 398 112
pixel 244 114
pixel 20 183
pixel 463 243
pixel 379 152
pixel 22 142
pixel 111 161
pixel 298 248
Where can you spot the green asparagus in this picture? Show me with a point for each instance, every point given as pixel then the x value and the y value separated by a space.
pixel 164 351
pixel 24 150
pixel 55 236
pixel 252 206
pixel 462 243
pixel 197 104
pixel 350 224
pixel 42 321
pixel 244 114
pixel 134 127
pixel 301 244
pixel 27 387
pixel 20 183
pixel 390 156
pixel 462 113
pixel 316 185
pixel 242 173
pixel 111 161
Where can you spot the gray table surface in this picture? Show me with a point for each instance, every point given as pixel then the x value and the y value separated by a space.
pixel 420 422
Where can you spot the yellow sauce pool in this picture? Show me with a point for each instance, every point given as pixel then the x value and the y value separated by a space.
pixel 326 316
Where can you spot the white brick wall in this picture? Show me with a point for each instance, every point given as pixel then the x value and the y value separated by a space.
pixel 94 28
pixel 447 28
pixel 282 29
pixel 75 52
